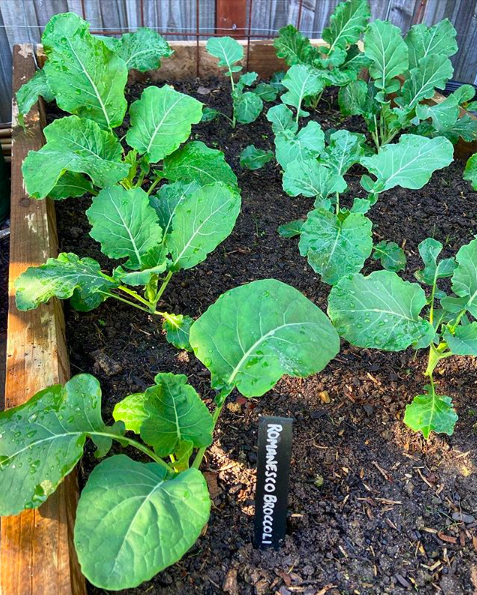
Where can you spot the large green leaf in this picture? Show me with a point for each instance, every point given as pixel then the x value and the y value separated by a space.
pixel 354 99
pixel 255 333
pixel 380 311
pixel 73 145
pixel 293 47
pixel 470 172
pixel 62 277
pixel 228 51
pixel 344 150
pixel 301 81
pixel 431 413
pixel 169 197
pixel 132 522
pixel 253 158
pixel 310 178
pixel 429 249
pixel 42 440
pixel 201 221
pixel 197 162
pixel 347 23
pixel 408 163
pixel 424 41
pixel 125 224
pixel 247 107
pixel 161 120
pixel 334 247
pixel 175 412
pixel 388 53
pixel 309 142
pixel 86 77
pixel 177 327
pixel 464 279
pixel 282 120
pixel 29 93
pixel 464 340
pixel 431 73
pixel 141 50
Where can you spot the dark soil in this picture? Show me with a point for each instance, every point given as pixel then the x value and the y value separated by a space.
pixel 373 508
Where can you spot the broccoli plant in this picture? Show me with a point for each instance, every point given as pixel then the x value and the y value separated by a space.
pixel 404 73
pixel 381 311
pixel 313 68
pixel 170 227
pixel 247 105
pixel 337 240
pixel 153 512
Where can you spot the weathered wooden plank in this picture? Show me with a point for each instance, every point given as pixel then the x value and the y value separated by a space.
pixel 37 555
pixel 231 17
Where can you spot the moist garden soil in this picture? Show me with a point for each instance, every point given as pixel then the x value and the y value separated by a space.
pixel 374 509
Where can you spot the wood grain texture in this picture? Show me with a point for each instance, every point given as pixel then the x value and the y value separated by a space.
pixel 37 556
pixel 231 17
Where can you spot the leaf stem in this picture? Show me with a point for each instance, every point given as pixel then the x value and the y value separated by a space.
pixel 131 442
pixel 154 184
pixel 163 287
pixel 220 399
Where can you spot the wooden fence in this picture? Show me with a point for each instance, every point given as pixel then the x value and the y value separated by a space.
pixel 23 20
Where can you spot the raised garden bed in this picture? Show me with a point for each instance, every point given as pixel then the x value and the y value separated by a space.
pixel 363 488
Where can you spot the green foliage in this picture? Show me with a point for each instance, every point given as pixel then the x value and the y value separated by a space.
pixel 392 256
pixel 431 413
pixel 255 333
pixel 141 50
pixel 253 158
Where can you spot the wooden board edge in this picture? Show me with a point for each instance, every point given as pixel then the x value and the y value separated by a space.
pixel 37 555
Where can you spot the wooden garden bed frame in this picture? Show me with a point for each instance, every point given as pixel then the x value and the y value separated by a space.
pixel 37 555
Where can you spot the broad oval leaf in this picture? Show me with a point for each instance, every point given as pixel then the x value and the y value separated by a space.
pixel 464 279
pixel 42 440
pixel 201 222
pixel 334 247
pixel 70 185
pixel 388 53
pixel 169 197
pixel 464 340
pixel 175 412
pixel 309 142
pixel 73 145
pixel 301 81
pixel 247 107
pixel 391 255
pixel 132 522
pixel 424 41
pixel 86 77
pixel 347 23
pixel 470 172
pixel 141 50
pixel 253 158
pixel 125 224
pixel 254 334
pixel 293 47
pixel 63 277
pixel 195 162
pixel 409 163
pixel 310 178
pixel 380 311
pixel 282 119
pixel 291 229
pixel 161 120
pixel 227 50
pixel 431 73
pixel 344 150
pixel 266 92
pixel 431 413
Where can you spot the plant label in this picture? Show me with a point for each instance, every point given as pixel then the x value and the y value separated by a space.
pixel 273 468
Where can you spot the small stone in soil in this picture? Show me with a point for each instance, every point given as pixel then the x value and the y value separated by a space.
pixel 107 365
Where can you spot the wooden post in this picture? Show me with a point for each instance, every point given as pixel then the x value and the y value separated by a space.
pixel 231 18
pixel 37 555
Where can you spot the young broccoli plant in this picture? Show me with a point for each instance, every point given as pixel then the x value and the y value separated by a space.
pixel 404 73
pixel 315 68
pixel 248 339
pixel 247 105
pixel 381 311
pixel 335 239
